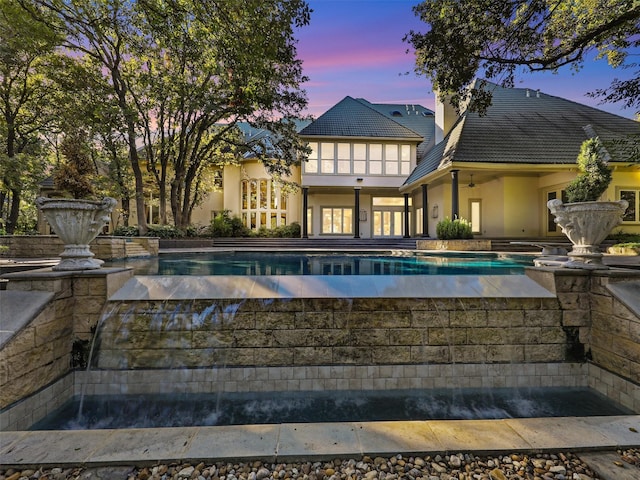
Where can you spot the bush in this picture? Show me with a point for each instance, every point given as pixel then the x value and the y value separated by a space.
pixel 594 177
pixel 224 225
pixel 164 231
pixel 123 231
pixel 456 229
pixel 161 231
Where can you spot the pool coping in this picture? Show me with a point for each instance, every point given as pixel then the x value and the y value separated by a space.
pixel 166 287
pixel 317 441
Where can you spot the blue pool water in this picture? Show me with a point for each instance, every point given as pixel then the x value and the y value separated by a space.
pixel 327 263
pixel 154 411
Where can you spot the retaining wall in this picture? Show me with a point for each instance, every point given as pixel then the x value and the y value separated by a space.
pixel 50 246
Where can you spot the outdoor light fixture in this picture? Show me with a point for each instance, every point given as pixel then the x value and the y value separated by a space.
pixel 434 211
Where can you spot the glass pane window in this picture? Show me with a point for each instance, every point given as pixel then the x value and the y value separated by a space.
pixel 245 188
pixel 405 153
pixel 344 158
pixel 253 193
pixel 391 152
pixel 344 166
pixel 337 220
pixel 344 151
pixel 263 205
pixel 263 194
pixel 631 196
pixel 375 167
pixel 391 168
pixel 327 166
pixel 314 150
pixel 375 151
pixel 359 151
pixel 326 151
pixel 360 167
pixel 311 166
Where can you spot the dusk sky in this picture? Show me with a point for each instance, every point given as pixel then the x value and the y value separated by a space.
pixel 355 48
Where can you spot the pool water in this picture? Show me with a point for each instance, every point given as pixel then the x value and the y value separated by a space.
pixel 327 263
pixel 156 411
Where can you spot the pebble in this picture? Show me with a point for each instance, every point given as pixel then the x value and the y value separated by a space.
pixel 461 466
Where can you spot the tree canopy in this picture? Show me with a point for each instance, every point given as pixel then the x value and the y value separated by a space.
pixel 169 80
pixel 502 39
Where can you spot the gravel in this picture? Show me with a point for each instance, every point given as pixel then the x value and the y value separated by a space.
pixel 461 466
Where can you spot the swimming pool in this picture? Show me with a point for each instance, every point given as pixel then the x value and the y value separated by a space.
pixel 328 263
pixel 181 410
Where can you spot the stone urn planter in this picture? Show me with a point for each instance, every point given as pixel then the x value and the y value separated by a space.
pixel 77 223
pixel 587 224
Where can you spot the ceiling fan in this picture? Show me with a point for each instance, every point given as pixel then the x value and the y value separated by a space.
pixel 471 184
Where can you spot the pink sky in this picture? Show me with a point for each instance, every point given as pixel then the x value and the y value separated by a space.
pixel 355 48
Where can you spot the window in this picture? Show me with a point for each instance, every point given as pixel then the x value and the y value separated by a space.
pixel 311 166
pixel 633 197
pixel 263 204
pixel 217 179
pixel 391 159
pixel 359 158
pixel 337 220
pixel 375 159
pixel 344 158
pixel 327 163
pixel 405 159
pixel 474 208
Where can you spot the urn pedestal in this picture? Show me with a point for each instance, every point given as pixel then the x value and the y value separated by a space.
pixel 77 223
pixel 587 224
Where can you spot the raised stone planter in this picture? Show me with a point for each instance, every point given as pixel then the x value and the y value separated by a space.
pixel 474 245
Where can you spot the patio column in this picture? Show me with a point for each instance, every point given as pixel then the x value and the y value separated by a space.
pixel 425 213
pixel 356 214
pixel 455 207
pixel 305 206
pixel 406 216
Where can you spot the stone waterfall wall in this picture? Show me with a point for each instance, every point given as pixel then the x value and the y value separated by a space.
pixel 305 332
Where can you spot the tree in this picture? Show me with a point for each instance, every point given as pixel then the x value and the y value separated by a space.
pixel 503 38
pixel 26 99
pixel 212 65
pixel 175 69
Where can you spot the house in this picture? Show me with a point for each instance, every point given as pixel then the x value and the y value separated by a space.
pixel 362 153
pixel 500 170
pixel 395 170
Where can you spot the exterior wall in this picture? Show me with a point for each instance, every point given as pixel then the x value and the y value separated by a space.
pixel 203 214
pixel 309 332
pixel 42 351
pixel 318 201
pixel 520 217
pixel 615 332
pixel 50 246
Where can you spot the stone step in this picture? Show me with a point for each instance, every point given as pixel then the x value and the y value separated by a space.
pixel 135 250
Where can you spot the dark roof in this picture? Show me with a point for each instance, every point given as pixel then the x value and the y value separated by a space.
pixel 415 117
pixel 255 136
pixel 359 118
pixel 523 126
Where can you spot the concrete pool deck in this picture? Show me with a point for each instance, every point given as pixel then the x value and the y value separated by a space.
pixel 296 442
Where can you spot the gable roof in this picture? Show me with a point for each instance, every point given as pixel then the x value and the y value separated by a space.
pixel 358 118
pixel 523 126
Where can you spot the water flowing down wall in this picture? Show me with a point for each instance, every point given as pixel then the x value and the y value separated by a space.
pixel 305 332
